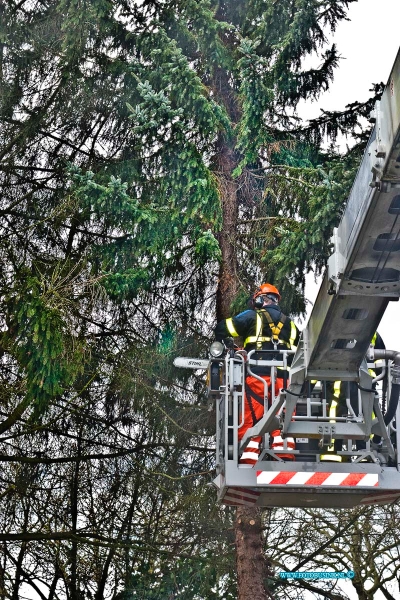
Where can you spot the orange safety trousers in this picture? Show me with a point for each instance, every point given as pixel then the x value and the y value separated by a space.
pixel 253 412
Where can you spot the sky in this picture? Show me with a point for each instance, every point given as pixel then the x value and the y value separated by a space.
pixel 368 44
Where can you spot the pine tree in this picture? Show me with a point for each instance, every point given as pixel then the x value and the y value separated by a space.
pixel 153 171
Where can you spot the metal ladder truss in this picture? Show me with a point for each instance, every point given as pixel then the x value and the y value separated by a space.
pixel 368 471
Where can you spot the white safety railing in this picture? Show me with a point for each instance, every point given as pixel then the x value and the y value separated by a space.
pixel 313 408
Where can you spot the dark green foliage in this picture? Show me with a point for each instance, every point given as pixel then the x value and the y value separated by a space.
pixel 331 123
pixel 43 343
pixel 185 579
pixel 311 198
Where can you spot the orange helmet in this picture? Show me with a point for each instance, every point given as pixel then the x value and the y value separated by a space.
pixel 266 288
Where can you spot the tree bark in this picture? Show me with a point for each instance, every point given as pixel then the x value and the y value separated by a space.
pixel 251 566
pixel 227 281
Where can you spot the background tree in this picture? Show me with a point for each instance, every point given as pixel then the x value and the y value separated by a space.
pixel 361 540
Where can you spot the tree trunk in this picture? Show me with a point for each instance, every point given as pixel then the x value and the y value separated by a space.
pixel 251 566
pixel 53 586
pixel 124 532
pixel 18 571
pixel 250 560
pixel 227 282
pixel 74 585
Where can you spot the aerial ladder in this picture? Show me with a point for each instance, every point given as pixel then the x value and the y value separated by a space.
pixel 362 277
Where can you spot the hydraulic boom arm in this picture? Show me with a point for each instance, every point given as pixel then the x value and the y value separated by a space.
pixel 363 273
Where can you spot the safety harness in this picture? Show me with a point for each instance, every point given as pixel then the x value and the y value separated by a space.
pixel 264 317
pixel 250 396
pixel 276 329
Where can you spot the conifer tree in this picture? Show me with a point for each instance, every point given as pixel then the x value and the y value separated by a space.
pixel 153 171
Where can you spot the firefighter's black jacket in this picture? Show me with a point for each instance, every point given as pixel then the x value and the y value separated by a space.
pixel 257 334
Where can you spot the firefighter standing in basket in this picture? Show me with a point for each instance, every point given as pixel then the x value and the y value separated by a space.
pixel 337 393
pixel 264 327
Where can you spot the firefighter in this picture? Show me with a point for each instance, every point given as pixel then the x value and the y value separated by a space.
pixel 338 391
pixel 263 327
